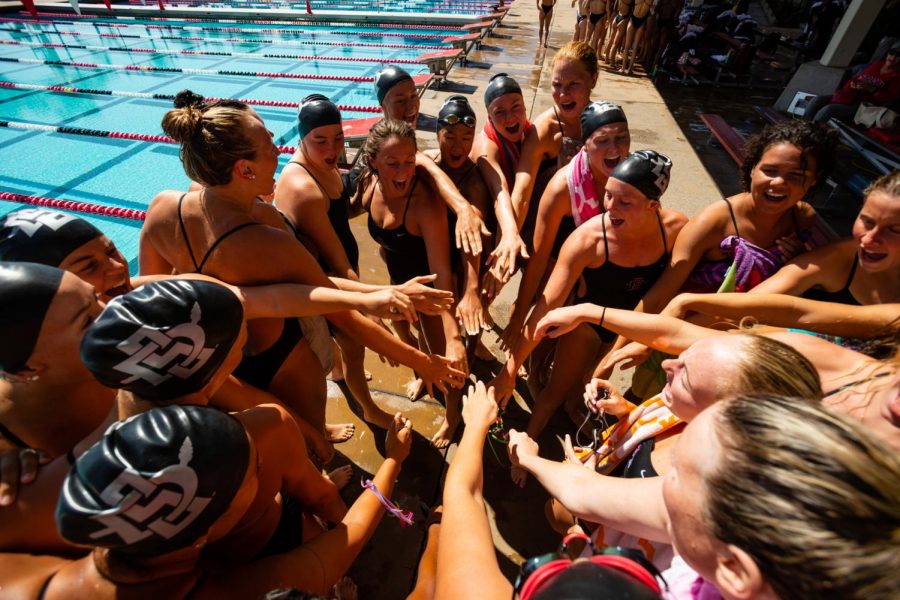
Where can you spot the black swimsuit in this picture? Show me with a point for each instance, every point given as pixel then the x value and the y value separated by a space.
pixel 405 253
pixel 339 217
pixel 842 296
pixel 12 438
pixel 260 369
pixel 595 17
pixel 547 8
pixel 614 286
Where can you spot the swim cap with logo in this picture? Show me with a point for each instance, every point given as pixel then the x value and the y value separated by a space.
pixel 316 110
pixel 646 170
pixel 43 236
pixel 599 114
pixel 26 291
pixel 165 339
pixel 500 85
pixel 387 78
pixel 456 109
pixel 156 482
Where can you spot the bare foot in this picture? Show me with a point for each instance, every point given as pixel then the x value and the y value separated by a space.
pixel 415 390
pixel 378 417
pixel 519 476
pixel 340 477
pixel 444 435
pixel 338 434
pixel 345 589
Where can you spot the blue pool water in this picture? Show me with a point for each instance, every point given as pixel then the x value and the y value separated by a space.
pixel 129 173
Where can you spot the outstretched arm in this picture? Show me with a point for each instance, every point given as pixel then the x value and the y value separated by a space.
pixel 633 506
pixel 467 565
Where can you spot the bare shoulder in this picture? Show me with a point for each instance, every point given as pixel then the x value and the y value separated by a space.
pixel 483 147
pixel 165 203
pixel 836 254
pixel 806 214
pixel 673 220
pixel 296 188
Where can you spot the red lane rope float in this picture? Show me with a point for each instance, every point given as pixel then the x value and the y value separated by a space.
pixel 76 206
pixel 305 22
pixel 400 61
pixel 232 40
pixel 73 90
pixel 121 135
pixel 145 68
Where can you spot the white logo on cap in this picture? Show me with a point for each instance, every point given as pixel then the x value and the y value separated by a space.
pixel 659 169
pixel 144 362
pixel 174 486
pixel 30 220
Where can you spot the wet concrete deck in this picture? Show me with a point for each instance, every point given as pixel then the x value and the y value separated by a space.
pixel 387 567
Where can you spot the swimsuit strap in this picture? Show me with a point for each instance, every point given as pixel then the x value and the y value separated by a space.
pixel 733 220
pixel 11 437
pixel 854 384
pixel 314 178
pixel 221 239
pixel 408 202
pixel 852 272
pixel 562 131
pixel 184 234
pixel 465 175
pixel 605 241
pixel 662 230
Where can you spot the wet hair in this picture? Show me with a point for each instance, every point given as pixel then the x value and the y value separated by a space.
pixel 768 366
pixel 580 52
pixel 815 141
pixel 213 136
pixel 381 132
pixel 810 495
pixel 886 184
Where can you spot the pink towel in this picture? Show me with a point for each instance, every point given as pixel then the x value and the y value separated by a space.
pixel 582 193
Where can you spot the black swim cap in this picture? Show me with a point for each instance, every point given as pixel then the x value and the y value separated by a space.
pixel 646 170
pixel 156 482
pixel 165 339
pixel 317 110
pixel 588 581
pixel 26 291
pixel 456 109
pixel 387 78
pixel 500 85
pixel 43 236
pixel 598 114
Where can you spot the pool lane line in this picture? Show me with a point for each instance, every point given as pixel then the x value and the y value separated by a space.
pixel 118 135
pixel 83 65
pixel 424 36
pixel 148 96
pixel 312 24
pixel 168 52
pixel 272 42
pixel 105 210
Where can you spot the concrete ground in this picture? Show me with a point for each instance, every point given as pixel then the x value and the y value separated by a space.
pixel 387 567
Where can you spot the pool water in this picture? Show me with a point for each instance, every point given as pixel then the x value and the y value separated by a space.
pixel 128 173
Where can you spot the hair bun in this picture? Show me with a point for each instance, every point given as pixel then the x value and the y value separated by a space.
pixel 186 98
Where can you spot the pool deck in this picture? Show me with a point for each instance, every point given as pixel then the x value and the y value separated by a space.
pixel 390 574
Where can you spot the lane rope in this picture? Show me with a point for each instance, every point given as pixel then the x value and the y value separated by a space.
pixel 76 206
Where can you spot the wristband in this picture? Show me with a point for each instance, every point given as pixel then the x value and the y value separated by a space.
pixel 602 317
pixel 404 516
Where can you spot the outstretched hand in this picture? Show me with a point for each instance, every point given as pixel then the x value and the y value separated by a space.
pixel 630 355
pixel 479 407
pixel 469 229
pixel 399 438
pixel 426 299
pixel 560 321
pixel 521 446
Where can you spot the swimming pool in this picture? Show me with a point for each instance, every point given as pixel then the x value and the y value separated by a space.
pixel 125 64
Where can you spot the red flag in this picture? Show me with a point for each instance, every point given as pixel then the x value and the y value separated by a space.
pixel 308 8
pixel 29 4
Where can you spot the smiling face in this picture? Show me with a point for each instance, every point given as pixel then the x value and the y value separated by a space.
pixel 877 232
pixel 571 87
pixel 396 165
pixel 100 264
pixel 626 204
pixel 698 377
pixel 323 145
pixel 402 102
pixel 608 146
pixel 456 144
pixel 780 179
pixel 508 115
pixel 693 462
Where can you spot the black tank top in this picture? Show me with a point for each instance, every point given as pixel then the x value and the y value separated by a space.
pixel 842 296
pixel 404 252
pixel 615 286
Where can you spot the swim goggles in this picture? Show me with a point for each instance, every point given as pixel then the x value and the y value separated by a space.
pixel 539 570
pixel 453 119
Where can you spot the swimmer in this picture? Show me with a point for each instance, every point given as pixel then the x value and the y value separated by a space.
pixel 640 12
pixel 618 28
pixel 595 33
pixel 545 15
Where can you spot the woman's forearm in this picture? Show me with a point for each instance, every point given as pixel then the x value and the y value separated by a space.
pixel 296 300
pixel 660 332
pixel 377 339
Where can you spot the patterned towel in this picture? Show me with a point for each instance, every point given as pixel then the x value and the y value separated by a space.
pixel 585 201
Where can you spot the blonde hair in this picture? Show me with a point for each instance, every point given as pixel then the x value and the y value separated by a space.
pixel 212 136
pixel 768 366
pixel 886 184
pixel 811 496
pixel 380 132
pixel 579 52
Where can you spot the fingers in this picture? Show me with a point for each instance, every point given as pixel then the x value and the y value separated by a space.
pixel 475 241
pixel 422 279
pixel 569 449
pixel 9 476
pixel 28 464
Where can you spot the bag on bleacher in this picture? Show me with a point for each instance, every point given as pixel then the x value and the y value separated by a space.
pixel 876 116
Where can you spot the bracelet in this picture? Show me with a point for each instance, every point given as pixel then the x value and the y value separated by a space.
pixel 602 317
pixel 404 516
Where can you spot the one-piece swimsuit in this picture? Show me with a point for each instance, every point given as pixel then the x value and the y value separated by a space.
pixel 405 253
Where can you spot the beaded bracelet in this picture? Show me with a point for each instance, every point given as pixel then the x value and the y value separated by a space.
pixel 404 516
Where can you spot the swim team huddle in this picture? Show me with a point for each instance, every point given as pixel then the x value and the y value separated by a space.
pixel 165 435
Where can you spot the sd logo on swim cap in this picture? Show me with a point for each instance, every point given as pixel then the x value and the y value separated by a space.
pixel 43 236
pixel 165 339
pixel 646 170
pixel 156 482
